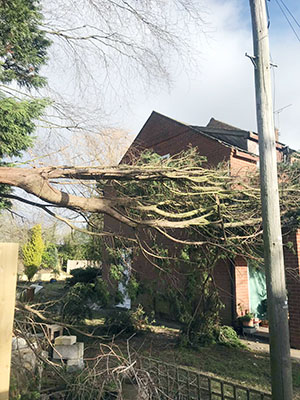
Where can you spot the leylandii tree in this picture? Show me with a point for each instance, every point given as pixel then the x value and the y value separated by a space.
pixel 32 252
pixel 162 205
pixel 23 49
pixel 23 45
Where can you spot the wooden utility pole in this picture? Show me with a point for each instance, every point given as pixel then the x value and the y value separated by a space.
pixel 273 251
pixel 8 280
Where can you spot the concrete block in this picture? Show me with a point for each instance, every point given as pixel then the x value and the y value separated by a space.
pixel 65 340
pixel 65 352
pixel 29 359
pixel 25 357
pixel 18 343
pixel 75 364
pixel 249 330
pixel 52 331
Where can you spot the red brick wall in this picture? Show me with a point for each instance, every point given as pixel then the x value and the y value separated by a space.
pixel 292 262
pixel 241 286
pixel 148 273
pixel 222 278
pixel 240 165
pixel 224 282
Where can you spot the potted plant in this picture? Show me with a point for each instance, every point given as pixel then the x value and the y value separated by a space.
pixel 263 311
pixel 247 319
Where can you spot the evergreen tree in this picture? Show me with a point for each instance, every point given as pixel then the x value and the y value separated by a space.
pixel 23 48
pixel 50 257
pixel 23 45
pixel 32 252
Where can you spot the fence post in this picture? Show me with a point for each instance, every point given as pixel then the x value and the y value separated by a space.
pixel 8 279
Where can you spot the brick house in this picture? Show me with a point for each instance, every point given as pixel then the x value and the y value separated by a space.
pixel 238 148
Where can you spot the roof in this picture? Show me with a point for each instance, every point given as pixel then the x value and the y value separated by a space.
pixel 215 124
pixel 227 133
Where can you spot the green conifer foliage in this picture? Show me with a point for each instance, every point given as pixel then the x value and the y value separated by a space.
pixel 50 257
pixel 32 251
pixel 23 45
pixel 17 124
pixel 23 50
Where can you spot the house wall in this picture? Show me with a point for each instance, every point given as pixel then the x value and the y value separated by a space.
pixel 155 280
pixel 292 272
pixel 164 135
pixel 292 262
pixel 224 280
pixel 242 163
pixel 241 286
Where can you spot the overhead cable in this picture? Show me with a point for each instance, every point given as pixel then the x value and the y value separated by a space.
pixel 287 18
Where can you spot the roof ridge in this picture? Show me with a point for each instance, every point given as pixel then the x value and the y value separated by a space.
pixel 214 123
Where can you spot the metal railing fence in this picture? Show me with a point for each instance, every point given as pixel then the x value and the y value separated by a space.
pixel 180 383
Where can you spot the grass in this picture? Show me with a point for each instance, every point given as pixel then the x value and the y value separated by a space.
pixel 243 366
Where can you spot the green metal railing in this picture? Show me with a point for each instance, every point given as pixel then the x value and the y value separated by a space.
pixel 179 383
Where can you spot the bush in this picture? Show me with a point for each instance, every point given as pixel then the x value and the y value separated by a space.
pixel 30 271
pixel 224 335
pixel 80 297
pixel 227 336
pixel 119 322
pixel 50 257
pixel 83 275
pixel 246 317
pixel 32 251
pixel 126 321
pixel 23 384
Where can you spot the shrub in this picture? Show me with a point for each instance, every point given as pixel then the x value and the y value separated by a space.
pixel 80 297
pixel 224 335
pixel 126 321
pixel 246 317
pixel 30 271
pixel 50 257
pixel 83 275
pixel 227 336
pixel 119 321
pixel 32 251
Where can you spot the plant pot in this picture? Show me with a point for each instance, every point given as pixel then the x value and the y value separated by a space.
pixel 249 330
pixel 264 323
pixel 249 324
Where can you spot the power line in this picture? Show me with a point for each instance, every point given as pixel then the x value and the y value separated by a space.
pixel 287 18
pixel 268 14
pixel 291 14
pixel 274 83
